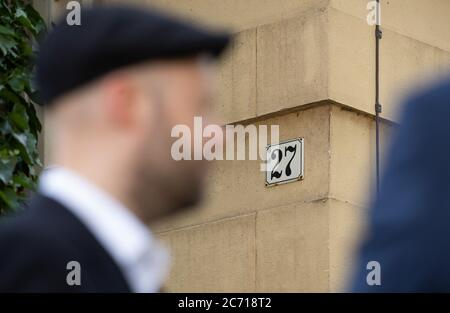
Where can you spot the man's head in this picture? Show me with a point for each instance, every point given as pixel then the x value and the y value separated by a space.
pixel 113 124
pixel 117 132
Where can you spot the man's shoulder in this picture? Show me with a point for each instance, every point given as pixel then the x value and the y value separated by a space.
pixel 30 228
pixel 435 96
pixel 31 249
pixel 39 243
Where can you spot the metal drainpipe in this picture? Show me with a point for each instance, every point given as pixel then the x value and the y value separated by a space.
pixel 378 36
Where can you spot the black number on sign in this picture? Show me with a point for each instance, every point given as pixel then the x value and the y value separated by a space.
pixel 273 156
pixel 286 150
pixel 278 153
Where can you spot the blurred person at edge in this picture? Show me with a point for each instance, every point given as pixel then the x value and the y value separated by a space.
pixel 409 224
pixel 113 88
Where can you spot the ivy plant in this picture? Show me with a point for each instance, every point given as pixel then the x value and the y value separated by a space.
pixel 20 27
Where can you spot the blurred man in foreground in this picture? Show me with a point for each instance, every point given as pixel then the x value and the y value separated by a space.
pixel 409 226
pixel 113 88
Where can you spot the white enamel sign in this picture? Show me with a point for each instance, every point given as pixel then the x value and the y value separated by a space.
pixel 284 162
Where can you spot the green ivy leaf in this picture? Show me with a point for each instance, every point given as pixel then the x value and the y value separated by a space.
pixel 5 127
pixel 36 19
pixel 17 83
pixel 9 197
pixel 7 94
pixel 27 146
pixel 6 169
pixel 35 124
pixel 8 45
pixel 22 17
pixel 22 180
pixel 19 80
pixel 7 31
pixel 19 116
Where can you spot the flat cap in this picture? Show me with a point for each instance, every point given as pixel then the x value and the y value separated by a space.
pixel 111 37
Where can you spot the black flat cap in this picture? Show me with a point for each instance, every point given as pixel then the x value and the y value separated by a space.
pixel 111 37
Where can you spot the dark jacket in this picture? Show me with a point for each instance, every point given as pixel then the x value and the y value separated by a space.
pixel 37 244
pixel 409 223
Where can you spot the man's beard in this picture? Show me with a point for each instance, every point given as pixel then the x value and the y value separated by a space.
pixel 157 194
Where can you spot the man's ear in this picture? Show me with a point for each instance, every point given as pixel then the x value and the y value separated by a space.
pixel 119 101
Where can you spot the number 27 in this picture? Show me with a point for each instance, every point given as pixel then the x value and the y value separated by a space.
pixel 277 174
